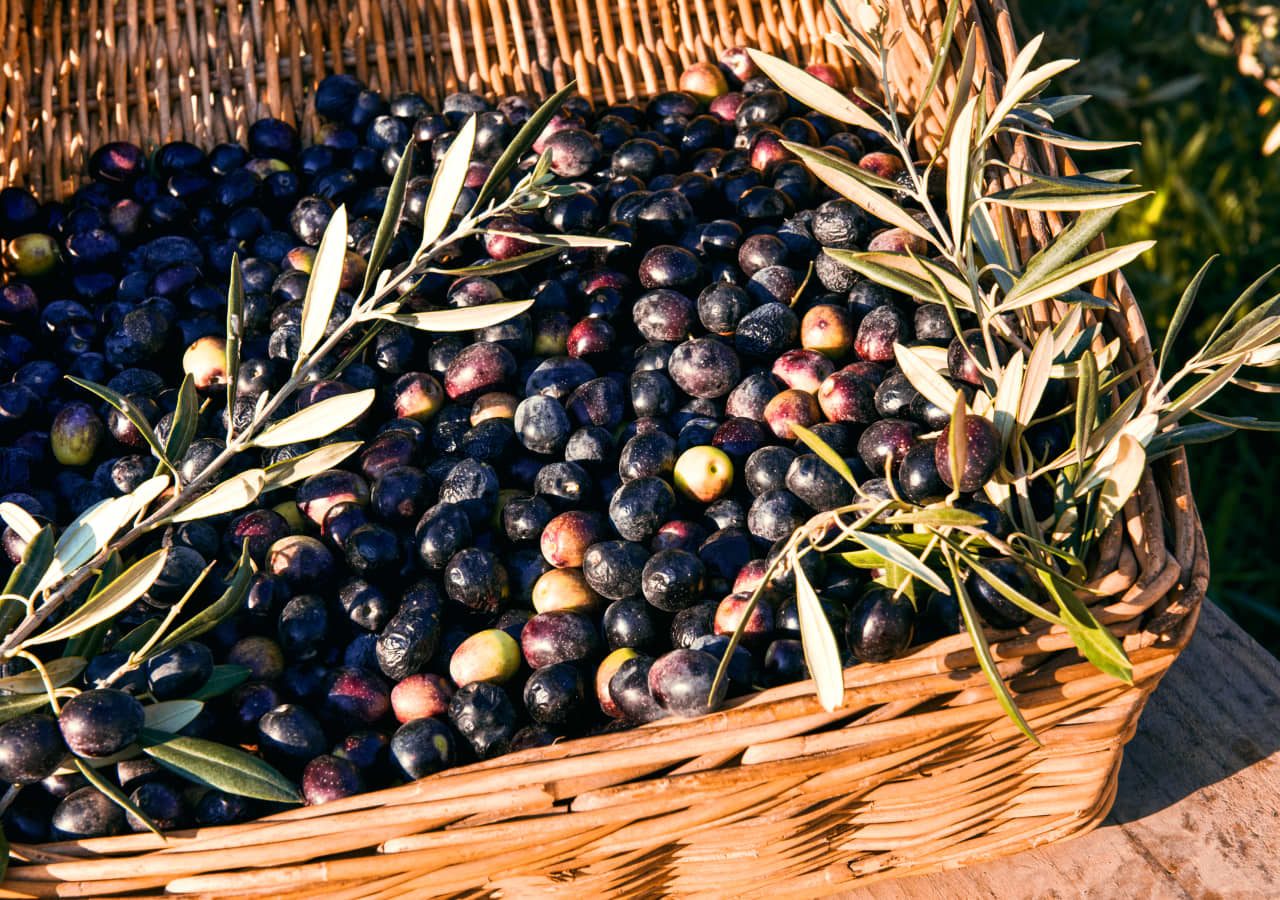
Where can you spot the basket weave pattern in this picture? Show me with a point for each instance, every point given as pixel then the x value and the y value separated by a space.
pixel 918 770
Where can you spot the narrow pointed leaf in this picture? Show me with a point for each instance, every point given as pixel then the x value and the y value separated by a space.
pixel 1095 641
pixel 962 89
pixel 895 553
pixel 389 221
pixel 1044 198
pixel 521 143
pixel 826 453
pixel 136 639
pixel 317 420
pixel 1067 245
pixel 958 440
pixel 1073 275
pixel 218 766
pixel 840 176
pixel 499 266
pixel 225 678
pixel 983 651
pixel 1086 406
pixel 924 377
pixel 218 611
pixel 1018 89
pixel 1039 366
pixel 108 603
pixel 940 54
pixel 298 468
pixel 16 705
pixel 1243 423
pixel 323 285
pixel 115 795
pixel 959 152
pixel 27 574
pixel 447 184
pixel 910 275
pixel 1008 592
pixel 1185 435
pixel 235 330
pixel 186 418
pixel 815 94
pixel 821 653
pixel 467 318
pixel 558 240
pixel 1121 479
pixel 171 715
pixel 20 521
pixel 1004 410
pixel 126 408
pixel 235 493
pixel 1068 141
pixel 1228 318
pixel 60 671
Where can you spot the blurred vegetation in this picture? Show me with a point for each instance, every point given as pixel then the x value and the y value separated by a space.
pixel 1159 74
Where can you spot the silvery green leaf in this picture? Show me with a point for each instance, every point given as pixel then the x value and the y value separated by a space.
pixel 323 285
pixel 850 182
pixel 225 678
pixel 20 704
pixel 1049 198
pixel 60 671
pixel 186 418
pixel 1103 359
pixel 218 766
pixel 138 638
pixel 301 467
pixel 1244 423
pixel 895 553
pixel 1053 108
pixel 87 644
pixel 447 184
pixel 1200 433
pixel 1066 246
pixel 982 650
pixel 109 602
pixel 115 795
pixel 317 420
pixel 1086 406
pixel 235 493
pixel 20 521
pixel 940 54
pixel 1068 141
pixel 171 715
pixel 1073 275
pixel 558 240
pixel 467 318
pixel 1094 640
pixel 1200 392
pixel 960 149
pixel 219 610
pixel 126 408
pixel 521 143
pixel 1010 593
pixel 498 266
pixel 905 274
pixel 924 377
pixel 1122 479
pixel 388 223
pixel 821 653
pixel 963 86
pixel 934 517
pixel 1217 337
pixel 958 440
pixel 824 451
pixel 1004 410
pixel 1036 380
pixel 1019 87
pixel 815 94
pixel 235 328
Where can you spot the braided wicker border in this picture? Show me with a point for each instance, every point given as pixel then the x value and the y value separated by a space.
pixel 918 770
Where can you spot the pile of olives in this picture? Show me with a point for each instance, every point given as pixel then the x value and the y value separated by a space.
pixel 555 523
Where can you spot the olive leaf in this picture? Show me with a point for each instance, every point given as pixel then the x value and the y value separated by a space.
pixel 908 274
pixel 299 468
pixel 850 182
pixel 1072 275
pixel 935 517
pixel 523 140
pixel 14 705
pixel 924 377
pixel 1008 400
pixel 21 521
pixel 109 602
pixel 171 715
pixel 1036 379
pixel 61 672
pixel 893 552
pixel 186 418
pixel 138 637
pixel 126 408
pixel 983 651
pixel 1086 406
pixel 224 678
pixel 1010 593
pixel 1086 194
pixel 558 240
pixel 1093 639
pixel 1069 243
pixel 816 94
pixel 826 453
pixel 218 766
pixel 821 653
pixel 466 318
pixel 1121 479
pixel 317 420
pixel 958 442
pixel 235 493
pixel 216 612
pixel 959 158
pixel 235 328
pixel 86 644
pixel 323 285
pixel 140 656
pixel 940 52
pixel 498 266
pixel 115 795
pixel 389 222
pixel 447 184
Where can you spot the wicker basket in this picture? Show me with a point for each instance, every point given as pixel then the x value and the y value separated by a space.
pixel 918 770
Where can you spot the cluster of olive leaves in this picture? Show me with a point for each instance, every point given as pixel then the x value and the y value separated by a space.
pixel 79 582
pixel 966 260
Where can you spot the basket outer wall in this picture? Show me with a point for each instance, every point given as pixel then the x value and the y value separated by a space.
pixel 919 770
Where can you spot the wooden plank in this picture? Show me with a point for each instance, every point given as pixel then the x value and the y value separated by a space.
pixel 1198 809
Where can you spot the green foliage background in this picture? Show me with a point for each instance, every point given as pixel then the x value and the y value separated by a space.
pixel 1159 74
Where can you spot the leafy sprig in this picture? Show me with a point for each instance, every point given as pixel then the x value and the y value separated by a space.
pixel 971 267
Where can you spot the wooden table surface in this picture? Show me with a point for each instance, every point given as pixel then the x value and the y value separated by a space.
pixel 1198 810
